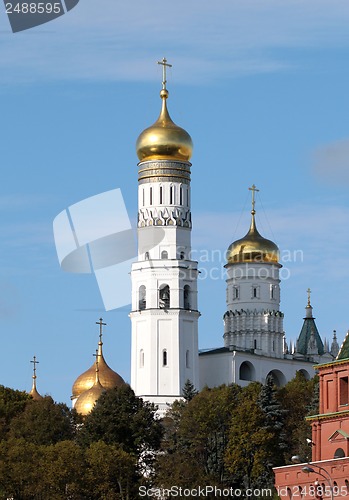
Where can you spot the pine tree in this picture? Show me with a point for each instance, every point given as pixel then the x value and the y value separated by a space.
pixel 189 391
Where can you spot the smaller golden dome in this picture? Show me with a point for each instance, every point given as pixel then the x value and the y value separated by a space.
pixel 34 393
pixel 253 248
pixel 164 140
pixel 86 401
pixel 107 377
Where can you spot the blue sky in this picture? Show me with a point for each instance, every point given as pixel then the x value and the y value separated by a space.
pixel 261 86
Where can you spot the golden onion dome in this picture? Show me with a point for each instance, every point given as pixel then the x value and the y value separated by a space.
pixel 253 248
pixel 164 140
pixel 34 392
pixel 108 378
pixel 87 399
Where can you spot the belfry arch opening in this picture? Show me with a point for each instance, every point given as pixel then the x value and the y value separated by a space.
pixel 164 296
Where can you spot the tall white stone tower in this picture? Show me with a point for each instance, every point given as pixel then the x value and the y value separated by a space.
pixel 164 312
pixel 253 321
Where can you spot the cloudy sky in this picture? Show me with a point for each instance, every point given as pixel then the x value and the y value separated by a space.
pixel 261 86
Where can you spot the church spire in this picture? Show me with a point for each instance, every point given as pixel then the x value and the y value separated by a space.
pixel 33 392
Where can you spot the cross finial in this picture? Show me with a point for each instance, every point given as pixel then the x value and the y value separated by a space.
pixel 34 367
pixel 309 292
pixel 96 356
pixel 101 324
pixel 254 190
pixel 164 65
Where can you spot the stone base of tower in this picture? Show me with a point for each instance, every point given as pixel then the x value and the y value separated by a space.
pixel 163 402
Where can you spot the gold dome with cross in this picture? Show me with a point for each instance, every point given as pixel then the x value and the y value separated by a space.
pixel 107 377
pixel 253 247
pixel 164 140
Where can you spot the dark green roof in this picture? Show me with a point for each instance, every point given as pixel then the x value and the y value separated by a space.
pixel 344 350
pixel 309 326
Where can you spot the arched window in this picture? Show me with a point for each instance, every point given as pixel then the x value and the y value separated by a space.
pixel 142 298
pixel 182 255
pixel 164 297
pixel 164 357
pixel 164 254
pixel 146 255
pixel 186 297
pixel 339 453
pixel 187 359
pixel 247 371
pixel 141 358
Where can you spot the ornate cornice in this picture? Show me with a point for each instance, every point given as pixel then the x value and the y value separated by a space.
pixel 165 216
pixel 164 171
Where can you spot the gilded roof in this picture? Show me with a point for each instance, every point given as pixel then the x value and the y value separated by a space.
pixel 164 139
pixel 108 378
pixel 253 247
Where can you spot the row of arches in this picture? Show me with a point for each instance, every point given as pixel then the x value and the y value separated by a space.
pixel 164 255
pixel 247 372
pixel 164 297
pixel 166 195
pixel 164 356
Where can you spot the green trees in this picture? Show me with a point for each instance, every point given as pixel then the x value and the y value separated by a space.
pixel 44 422
pixel 227 436
pixel 120 417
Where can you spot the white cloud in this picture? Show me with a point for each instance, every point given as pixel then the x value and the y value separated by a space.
pixel 331 162
pixel 108 40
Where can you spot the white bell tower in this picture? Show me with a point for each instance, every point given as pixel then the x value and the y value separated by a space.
pixel 164 312
pixel 253 321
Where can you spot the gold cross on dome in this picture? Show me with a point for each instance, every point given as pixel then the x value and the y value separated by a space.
pixel 35 363
pixel 254 190
pixel 101 324
pixel 164 65
pixel 308 292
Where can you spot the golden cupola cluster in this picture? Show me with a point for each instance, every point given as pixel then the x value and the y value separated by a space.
pixel 164 140
pixel 88 387
pixel 253 247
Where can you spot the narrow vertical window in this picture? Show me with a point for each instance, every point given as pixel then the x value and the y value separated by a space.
pixel 273 345
pixel 255 344
pixel 187 197
pixel 164 357
pixel 181 195
pixel 187 359
pixel 160 195
pixel 142 298
pixel 164 254
pixel 236 292
pixel 186 294
pixel 171 195
pixel 151 196
pixel 141 358
pixel 143 198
